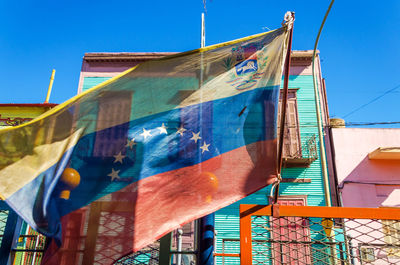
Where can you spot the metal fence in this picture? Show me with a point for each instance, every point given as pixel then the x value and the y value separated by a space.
pixel 319 235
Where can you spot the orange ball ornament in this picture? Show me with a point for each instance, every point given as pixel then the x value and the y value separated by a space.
pixel 211 179
pixel 70 179
pixel 211 182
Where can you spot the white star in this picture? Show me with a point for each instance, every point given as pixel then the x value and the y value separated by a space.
pixel 130 143
pixel 181 130
pixel 195 137
pixel 163 129
pixel 114 174
pixel 119 157
pixel 145 133
pixel 204 147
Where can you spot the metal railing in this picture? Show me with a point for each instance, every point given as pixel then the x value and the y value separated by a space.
pixel 308 149
pixel 29 249
pixel 319 235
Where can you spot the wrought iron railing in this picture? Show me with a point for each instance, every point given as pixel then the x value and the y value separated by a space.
pixel 308 149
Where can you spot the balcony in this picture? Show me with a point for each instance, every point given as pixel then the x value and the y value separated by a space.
pixel 295 155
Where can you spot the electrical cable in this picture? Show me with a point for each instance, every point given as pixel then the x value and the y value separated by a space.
pixel 370 123
pixel 373 100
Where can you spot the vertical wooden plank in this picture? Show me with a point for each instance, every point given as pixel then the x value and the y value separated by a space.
pixel 73 227
pixel 245 238
pixel 114 109
pixel 91 236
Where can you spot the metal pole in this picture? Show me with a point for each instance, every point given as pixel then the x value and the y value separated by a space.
pixel 179 248
pixel 284 107
pixel 207 240
pixel 203 32
pixel 207 223
pixel 53 73
pixel 202 45
pixel 317 107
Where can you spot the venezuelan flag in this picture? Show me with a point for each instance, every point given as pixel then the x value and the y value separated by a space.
pixel 166 142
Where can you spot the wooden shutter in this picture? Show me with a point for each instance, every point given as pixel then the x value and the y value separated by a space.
pixel 291 142
pixel 114 109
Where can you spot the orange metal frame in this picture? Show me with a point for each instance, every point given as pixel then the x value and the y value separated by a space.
pixel 249 210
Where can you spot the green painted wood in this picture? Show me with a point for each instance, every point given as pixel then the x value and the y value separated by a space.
pixel 89 82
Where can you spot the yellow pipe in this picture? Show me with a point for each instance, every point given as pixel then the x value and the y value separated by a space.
pixel 317 107
pixel 53 73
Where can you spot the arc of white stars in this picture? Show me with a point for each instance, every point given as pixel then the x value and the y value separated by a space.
pixel 163 129
pixel 204 147
pixel 145 133
pixel 114 174
pixel 118 158
pixel 130 143
pixel 195 137
pixel 181 130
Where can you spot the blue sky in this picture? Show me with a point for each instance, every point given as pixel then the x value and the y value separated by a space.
pixel 359 45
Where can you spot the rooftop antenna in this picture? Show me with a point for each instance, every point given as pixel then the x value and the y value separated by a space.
pixel 204 5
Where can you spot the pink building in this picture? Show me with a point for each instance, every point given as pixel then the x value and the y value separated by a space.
pixel 368 166
pixel 367 163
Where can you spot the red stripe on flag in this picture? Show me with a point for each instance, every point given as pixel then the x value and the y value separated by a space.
pixel 152 207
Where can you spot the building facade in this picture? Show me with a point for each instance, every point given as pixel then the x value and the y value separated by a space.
pixel 18 242
pixel 367 163
pixel 303 182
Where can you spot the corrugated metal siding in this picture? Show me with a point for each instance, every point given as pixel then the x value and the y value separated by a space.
pixel 227 219
pixel 89 82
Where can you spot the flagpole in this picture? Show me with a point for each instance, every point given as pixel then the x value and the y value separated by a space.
pixel 206 246
pixel 284 102
pixel 202 45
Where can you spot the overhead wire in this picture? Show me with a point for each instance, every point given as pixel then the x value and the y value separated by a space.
pixel 372 101
pixel 371 123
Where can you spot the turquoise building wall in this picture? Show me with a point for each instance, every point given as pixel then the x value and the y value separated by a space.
pixel 89 82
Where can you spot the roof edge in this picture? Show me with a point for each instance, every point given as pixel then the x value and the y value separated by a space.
pixel 138 56
pixel 46 105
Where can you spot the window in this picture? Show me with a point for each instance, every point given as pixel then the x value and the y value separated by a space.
pixel 391 230
pixel 367 254
pixel 291 142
